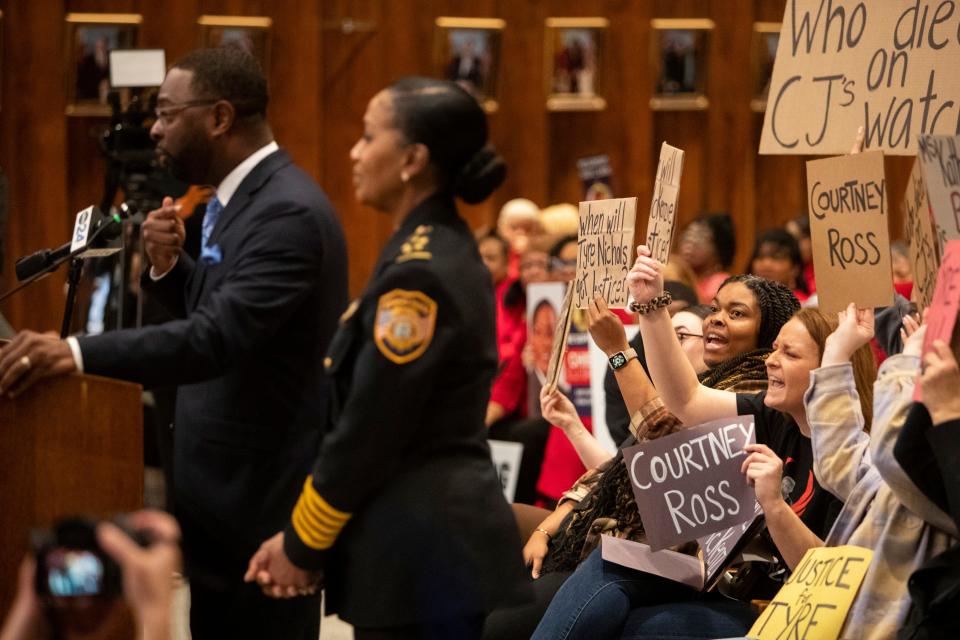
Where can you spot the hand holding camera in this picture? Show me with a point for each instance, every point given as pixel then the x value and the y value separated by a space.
pixel 80 567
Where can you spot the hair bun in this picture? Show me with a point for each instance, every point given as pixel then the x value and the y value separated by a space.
pixel 483 173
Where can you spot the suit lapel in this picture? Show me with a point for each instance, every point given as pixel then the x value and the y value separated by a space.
pixel 242 197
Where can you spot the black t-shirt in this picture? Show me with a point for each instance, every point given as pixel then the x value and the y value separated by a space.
pixel 816 507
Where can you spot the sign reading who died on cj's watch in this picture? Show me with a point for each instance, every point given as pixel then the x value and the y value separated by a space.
pixel 888 66
pixel 847 196
pixel 604 251
pixel 688 484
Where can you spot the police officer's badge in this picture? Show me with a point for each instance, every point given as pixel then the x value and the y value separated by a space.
pixel 404 324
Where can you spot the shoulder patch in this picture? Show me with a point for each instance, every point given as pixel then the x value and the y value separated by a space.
pixel 415 247
pixel 404 324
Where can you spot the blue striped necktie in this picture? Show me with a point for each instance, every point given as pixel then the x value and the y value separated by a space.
pixel 214 208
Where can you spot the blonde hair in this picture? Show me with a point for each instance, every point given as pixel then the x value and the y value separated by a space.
pixel 560 220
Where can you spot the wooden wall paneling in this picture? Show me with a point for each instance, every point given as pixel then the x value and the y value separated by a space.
pixel 351 74
pixel 686 130
pixel 730 154
pixel 520 125
pixel 33 152
pixel 296 92
pixel 483 214
pixel 629 55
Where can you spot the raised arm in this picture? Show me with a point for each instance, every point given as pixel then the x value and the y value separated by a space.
pixel 558 410
pixel 673 375
pixel 840 444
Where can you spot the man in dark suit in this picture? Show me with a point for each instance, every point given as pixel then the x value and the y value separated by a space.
pixel 257 312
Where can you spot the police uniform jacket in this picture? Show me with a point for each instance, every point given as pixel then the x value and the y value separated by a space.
pixel 403 509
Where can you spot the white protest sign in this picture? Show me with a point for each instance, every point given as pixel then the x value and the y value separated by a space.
pixel 506 460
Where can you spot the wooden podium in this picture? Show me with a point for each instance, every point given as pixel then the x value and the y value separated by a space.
pixel 69 445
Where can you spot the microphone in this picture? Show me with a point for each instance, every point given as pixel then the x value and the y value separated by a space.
pixel 92 231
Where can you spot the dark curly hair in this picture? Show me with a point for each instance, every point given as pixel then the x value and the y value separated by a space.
pixel 228 73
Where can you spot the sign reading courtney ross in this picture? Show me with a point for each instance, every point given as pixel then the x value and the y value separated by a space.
pixel 847 196
pixel 688 484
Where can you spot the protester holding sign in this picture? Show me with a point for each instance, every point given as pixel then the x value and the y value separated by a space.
pixel 602 501
pixel 798 512
pixel 883 510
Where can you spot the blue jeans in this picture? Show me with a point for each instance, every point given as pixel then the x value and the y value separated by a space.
pixel 595 601
pixel 605 600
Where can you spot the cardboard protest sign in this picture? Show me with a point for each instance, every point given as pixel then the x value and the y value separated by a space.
pixel 688 484
pixel 814 601
pixel 663 207
pixel 701 572
pixel 604 251
pixel 924 250
pixel 847 196
pixel 946 298
pixel 889 67
pixel 939 159
pixel 718 549
pixel 559 342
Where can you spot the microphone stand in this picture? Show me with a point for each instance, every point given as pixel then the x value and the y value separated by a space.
pixel 73 278
pixel 73 281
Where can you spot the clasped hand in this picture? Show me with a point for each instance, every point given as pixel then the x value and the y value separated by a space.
pixel 277 576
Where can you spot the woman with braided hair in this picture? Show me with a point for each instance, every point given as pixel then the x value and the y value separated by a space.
pixel 743 320
pixel 603 600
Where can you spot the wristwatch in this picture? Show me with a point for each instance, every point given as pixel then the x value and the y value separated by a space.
pixel 620 359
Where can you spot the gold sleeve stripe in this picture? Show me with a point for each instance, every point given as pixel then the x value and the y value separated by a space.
pixel 320 507
pixel 316 522
pixel 309 538
pixel 311 521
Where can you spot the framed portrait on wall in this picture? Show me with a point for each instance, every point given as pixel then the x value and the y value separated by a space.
pixel 574 50
pixel 763 52
pixel 467 51
pixel 90 39
pixel 250 33
pixel 679 56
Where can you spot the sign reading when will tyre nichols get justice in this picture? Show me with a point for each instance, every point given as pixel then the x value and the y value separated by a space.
pixel 889 66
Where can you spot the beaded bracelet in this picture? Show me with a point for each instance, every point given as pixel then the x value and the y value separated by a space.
pixel 545 532
pixel 659 302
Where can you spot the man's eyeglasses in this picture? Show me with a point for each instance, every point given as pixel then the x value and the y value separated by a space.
pixel 557 264
pixel 681 336
pixel 168 111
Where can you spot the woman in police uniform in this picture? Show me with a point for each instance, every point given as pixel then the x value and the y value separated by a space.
pixel 403 511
